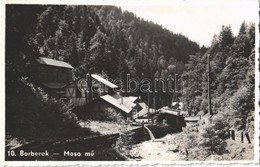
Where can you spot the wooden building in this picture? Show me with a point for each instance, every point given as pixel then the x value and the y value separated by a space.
pixel 172 118
pixel 145 111
pixel 86 90
pixel 78 96
pixel 97 109
pixel 93 94
pixel 52 75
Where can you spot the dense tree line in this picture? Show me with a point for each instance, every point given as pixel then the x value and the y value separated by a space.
pixel 231 75
pixel 103 38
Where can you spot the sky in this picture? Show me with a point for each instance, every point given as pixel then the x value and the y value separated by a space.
pixel 199 20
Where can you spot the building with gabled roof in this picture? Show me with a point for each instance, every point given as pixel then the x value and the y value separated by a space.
pixel 170 116
pixel 52 75
pixel 122 103
pixel 94 86
pixel 56 78
pixel 121 106
pixel 143 113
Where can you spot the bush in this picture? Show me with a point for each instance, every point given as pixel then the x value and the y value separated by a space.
pixel 191 140
pixel 214 135
pixel 31 114
pixel 212 142
pixel 112 115
pixel 241 107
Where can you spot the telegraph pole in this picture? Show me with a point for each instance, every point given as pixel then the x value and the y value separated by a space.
pixel 176 87
pixel 209 98
pixel 148 102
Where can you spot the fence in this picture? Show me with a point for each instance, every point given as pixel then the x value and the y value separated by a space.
pixel 231 134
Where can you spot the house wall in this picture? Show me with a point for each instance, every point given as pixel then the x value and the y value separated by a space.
pixel 177 122
pixel 78 98
pixel 47 73
pixel 97 110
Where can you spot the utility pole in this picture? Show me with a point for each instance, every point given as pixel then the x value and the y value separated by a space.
pixel 89 86
pixel 176 87
pixel 209 98
pixel 154 98
pixel 148 103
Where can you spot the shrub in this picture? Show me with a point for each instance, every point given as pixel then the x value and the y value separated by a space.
pixel 191 140
pixel 212 142
pixel 31 114
pixel 241 107
pixel 221 125
pixel 214 135
pixel 112 115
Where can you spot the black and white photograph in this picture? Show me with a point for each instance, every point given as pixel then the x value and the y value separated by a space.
pixel 131 81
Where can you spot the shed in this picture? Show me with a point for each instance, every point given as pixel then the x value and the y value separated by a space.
pixel 174 118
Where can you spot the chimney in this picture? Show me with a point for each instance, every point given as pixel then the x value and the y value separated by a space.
pixel 121 96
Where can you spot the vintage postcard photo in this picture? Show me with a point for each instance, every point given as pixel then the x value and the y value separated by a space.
pixel 175 81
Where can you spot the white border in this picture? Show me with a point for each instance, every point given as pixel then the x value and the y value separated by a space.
pixel 2 82
pixel 105 163
pixel 257 98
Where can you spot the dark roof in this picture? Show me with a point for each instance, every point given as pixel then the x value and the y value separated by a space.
pixel 52 62
pixel 74 81
pixel 54 85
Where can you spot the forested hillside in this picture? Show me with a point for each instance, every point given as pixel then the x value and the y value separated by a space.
pixel 231 75
pixel 88 36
